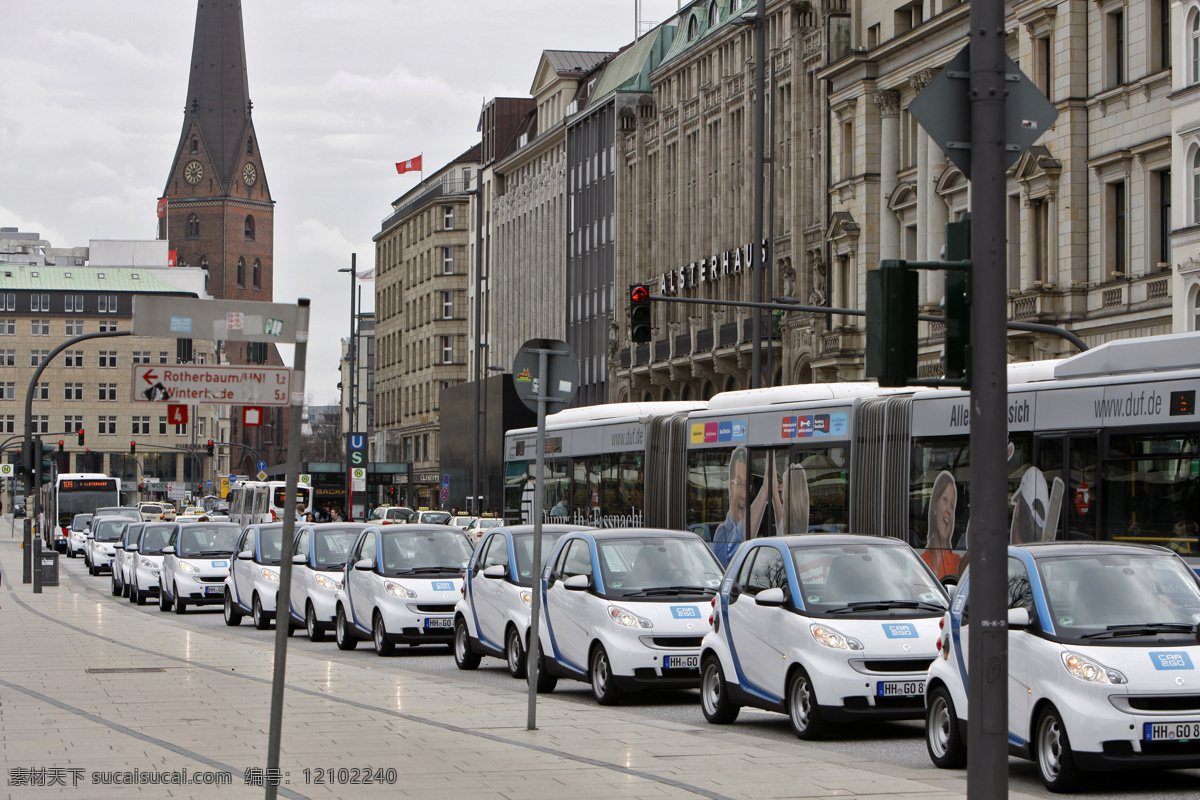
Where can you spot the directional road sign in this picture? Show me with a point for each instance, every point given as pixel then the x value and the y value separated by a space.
pixel 261 465
pixel 220 320
pixel 944 110
pixel 262 476
pixel 260 386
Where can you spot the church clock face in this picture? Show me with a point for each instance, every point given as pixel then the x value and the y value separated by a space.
pixel 193 173
pixel 249 174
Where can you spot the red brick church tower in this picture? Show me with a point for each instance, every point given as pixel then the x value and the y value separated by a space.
pixel 219 211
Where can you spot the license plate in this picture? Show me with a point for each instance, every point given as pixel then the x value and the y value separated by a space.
pixel 441 622
pixel 681 662
pixel 214 589
pixel 1170 731
pixel 899 688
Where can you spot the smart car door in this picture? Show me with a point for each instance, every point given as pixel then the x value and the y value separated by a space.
pixel 242 567
pixel 1021 655
pixel 488 594
pixel 566 609
pixel 754 628
pixel 359 583
pixel 302 578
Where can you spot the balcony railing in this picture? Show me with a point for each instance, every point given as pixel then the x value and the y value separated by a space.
pixel 704 340
pixel 446 187
pixel 683 344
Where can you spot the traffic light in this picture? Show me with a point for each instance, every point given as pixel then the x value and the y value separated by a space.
pixel 183 351
pixel 211 448
pixel 958 301
pixel 60 445
pixel 81 437
pixel 141 487
pixel 639 313
pixel 132 448
pixel 892 323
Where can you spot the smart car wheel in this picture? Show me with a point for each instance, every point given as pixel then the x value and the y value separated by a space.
pixel 232 615
pixel 604 687
pixel 383 645
pixel 116 587
pixel 131 590
pixel 180 603
pixel 943 739
pixel 714 694
pixel 164 602
pixel 1056 762
pixel 342 633
pixel 261 620
pixel 316 633
pixel 464 656
pixel 802 707
pixel 545 681
pixel 138 595
pixel 514 653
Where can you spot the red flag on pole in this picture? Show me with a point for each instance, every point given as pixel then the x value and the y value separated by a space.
pixel 162 207
pixel 412 165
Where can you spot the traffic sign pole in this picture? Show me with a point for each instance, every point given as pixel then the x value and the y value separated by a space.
pixel 987 649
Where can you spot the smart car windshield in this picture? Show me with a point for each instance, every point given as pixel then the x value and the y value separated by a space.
pixel 270 542
pixel 1118 596
pixel 657 567
pixel 109 531
pixel 864 579
pixel 424 553
pixel 154 539
pixel 523 547
pixel 197 540
pixel 80 523
pixel 332 547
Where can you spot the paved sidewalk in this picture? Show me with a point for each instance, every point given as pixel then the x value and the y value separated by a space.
pixel 204 707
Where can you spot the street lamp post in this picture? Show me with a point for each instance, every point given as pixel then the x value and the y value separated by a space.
pixel 352 358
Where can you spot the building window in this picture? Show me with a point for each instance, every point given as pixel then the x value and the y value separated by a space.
pixel 72 424
pixel 200 427
pixel 74 391
pixel 693 28
pixel 1164 219
pixel 847 150
pixel 42 392
pixel 141 356
pixel 447 349
pixel 141 425
pixel 40 327
pixel 249 228
pixel 8 302
pixel 192 229
pixel 1160 37
pixel 1196 187
pixel 73 302
pixel 107 326
pixel 39 302
pixel 1115 47
pixel 108 359
pixel 107 304
pixel 8 327
pixel 448 218
pixel 241 272
pixel 8 358
pixel 8 391
pixel 256 274
pixel 36 357
pixel 74 327
pixel 447 260
pixel 249 146
pixel 1194 47
pixel 10 423
pixel 181 429
pixel 108 425
pixel 108 391
pixel 163 358
pixel 195 145
pixel 447 305
pixel 1119 238
pixel 1043 64
pixel 162 426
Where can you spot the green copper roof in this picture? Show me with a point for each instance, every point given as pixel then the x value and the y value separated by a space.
pixel 696 23
pixel 15 277
pixel 629 71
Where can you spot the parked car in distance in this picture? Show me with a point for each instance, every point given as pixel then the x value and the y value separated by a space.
pixel 122 565
pixel 824 628
pixel 390 515
pixel 253 583
pixel 152 512
pixel 427 517
pixel 101 542
pixel 128 512
pixel 494 615
pixel 147 560
pixel 1102 658
pixel 318 568
pixel 480 525
pixel 461 520
pixel 195 565
pixel 77 535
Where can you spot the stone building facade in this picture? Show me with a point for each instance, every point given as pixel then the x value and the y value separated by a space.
pixel 421 315
pixel 1184 197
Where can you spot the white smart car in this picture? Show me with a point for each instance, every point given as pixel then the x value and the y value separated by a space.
pixel 123 560
pixel 493 617
pixel 626 609
pixel 101 543
pixel 317 571
pixel 146 559
pixel 823 628
pixel 400 586
pixel 195 565
pixel 77 535
pixel 1102 662
pixel 253 582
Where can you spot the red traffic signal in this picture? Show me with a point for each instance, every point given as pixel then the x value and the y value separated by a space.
pixel 211 447
pixel 639 294
pixel 60 445
pixel 640 330
pixel 132 447
pixel 81 437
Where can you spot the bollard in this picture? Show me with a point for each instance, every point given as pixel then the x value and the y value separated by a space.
pixel 26 554
pixel 37 568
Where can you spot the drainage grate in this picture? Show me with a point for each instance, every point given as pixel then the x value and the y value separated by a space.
pixel 115 670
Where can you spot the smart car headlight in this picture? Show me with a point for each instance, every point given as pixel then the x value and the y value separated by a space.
pixel 396 590
pixel 831 638
pixel 187 566
pixel 270 574
pixel 1091 671
pixel 527 599
pixel 148 564
pixel 328 583
pixel 627 618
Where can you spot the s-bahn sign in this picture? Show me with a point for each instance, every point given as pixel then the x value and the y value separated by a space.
pixel 251 386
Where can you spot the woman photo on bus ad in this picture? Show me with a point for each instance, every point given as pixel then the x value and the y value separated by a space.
pixel 943 501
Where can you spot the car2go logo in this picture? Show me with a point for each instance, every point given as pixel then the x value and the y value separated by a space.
pixel 443 586
pixel 899 631
pixel 685 612
pixel 1168 660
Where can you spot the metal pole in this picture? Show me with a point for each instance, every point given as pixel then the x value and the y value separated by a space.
pixel 350 391
pixel 760 88
pixel 480 371
pixel 534 647
pixel 283 619
pixel 987 650
pixel 771 233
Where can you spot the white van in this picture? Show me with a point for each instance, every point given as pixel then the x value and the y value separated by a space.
pixel 249 503
pixel 279 494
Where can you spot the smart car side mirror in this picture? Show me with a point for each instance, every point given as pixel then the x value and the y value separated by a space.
pixel 578 583
pixel 1018 619
pixel 89 536
pixel 245 555
pixel 769 597
pixel 169 550
pixel 496 571
pixel 131 548
pixel 949 580
pixel 299 558
pixel 366 565
pixel 118 546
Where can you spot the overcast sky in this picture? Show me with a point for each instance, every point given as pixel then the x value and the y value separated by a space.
pixel 92 96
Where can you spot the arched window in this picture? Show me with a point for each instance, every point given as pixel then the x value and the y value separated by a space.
pixel 1196 186
pixel 1194 47
pixel 693 28
pixel 241 272
pixel 195 145
pixel 249 146
pixel 249 228
pixel 734 5
pixel 256 275
pixel 1193 309
pixel 712 13
pixel 193 227
pixel 668 395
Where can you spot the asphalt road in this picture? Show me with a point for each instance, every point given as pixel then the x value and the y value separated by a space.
pixel 900 743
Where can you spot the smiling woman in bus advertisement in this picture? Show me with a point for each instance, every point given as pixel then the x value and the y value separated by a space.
pixel 943 501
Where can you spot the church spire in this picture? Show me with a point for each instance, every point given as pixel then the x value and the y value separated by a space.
pixel 218 94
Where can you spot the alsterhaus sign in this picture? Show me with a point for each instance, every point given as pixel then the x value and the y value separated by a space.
pixel 708 270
